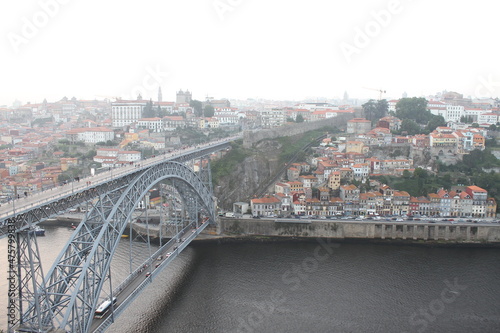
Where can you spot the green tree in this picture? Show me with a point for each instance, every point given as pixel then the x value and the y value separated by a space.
pixel 299 119
pixel 148 111
pixel 410 126
pixel 197 107
pixel 382 108
pixel 466 119
pixel 374 110
pixel 435 122
pixel 414 108
pixel 209 111
pixel 370 109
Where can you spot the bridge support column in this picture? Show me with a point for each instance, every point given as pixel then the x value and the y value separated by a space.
pixel 30 282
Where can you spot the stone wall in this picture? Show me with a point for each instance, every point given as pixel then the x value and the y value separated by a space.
pixel 251 137
pixel 454 233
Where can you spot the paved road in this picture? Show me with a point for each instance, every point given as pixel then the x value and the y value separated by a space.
pixel 437 221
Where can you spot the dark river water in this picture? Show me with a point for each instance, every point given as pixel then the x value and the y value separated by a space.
pixel 309 287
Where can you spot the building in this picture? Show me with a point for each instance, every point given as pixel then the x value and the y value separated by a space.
pixel 183 97
pixel 358 126
pixel 273 118
pixel 91 135
pixel 356 147
pixel 155 125
pixel 266 206
pixel 334 180
pixel 124 113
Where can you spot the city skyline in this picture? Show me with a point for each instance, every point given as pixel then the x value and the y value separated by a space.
pixel 241 49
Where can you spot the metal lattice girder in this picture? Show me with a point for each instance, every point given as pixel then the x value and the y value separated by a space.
pixel 75 281
pixel 31 282
pixel 27 217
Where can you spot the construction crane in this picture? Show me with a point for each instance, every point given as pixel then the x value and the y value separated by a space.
pixel 381 91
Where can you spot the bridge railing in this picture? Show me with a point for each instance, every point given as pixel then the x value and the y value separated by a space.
pixel 124 304
pixel 19 205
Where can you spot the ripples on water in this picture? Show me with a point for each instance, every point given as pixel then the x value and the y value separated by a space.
pixel 262 287
pixel 359 288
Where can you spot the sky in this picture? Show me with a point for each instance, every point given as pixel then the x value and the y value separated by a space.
pixel 239 49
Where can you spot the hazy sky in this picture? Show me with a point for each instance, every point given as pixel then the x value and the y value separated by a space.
pixel 276 49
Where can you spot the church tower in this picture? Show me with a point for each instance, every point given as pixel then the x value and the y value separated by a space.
pixel 183 97
pixel 160 97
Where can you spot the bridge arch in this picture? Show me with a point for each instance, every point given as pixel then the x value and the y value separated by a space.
pixel 75 281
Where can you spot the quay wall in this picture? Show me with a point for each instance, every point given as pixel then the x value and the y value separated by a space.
pixel 372 230
pixel 369 230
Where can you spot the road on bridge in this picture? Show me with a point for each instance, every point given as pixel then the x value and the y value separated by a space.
pixel 52 194
pixel 149 269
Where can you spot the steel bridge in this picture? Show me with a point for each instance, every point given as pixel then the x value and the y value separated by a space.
pixel 66 297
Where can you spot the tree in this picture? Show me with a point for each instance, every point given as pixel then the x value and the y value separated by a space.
pixel 148 111
pixel 299 119
pixel 370 109
pixel 435 122
pixel 382 108
pixel 374 110
pixel 414 108
pixel 410 126
pixel 197 107
pixel 209 111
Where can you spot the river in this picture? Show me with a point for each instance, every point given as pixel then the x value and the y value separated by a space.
pixel 309 287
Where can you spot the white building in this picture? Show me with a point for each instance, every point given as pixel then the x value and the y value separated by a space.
pixel 227 119
pixel 124 113
pixel 361 170
pixel 475 113
pixel 391 105
pixel 129 156
pixel 273 117
pixel 153 124
pixel 487 118
pixel 91 135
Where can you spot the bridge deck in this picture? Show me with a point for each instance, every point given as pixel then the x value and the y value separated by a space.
pixel 129 289
pixel 39 199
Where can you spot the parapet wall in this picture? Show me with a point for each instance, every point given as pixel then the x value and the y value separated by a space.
pixel 457 233
pixel 250 137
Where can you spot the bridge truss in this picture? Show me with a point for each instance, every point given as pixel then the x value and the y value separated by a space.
pixel 65 299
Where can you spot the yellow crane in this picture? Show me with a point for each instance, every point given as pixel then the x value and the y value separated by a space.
pixel 381 91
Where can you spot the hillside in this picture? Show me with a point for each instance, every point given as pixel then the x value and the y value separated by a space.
pixel 243 172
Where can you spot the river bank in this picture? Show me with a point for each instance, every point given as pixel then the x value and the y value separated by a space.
pixel 380 232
